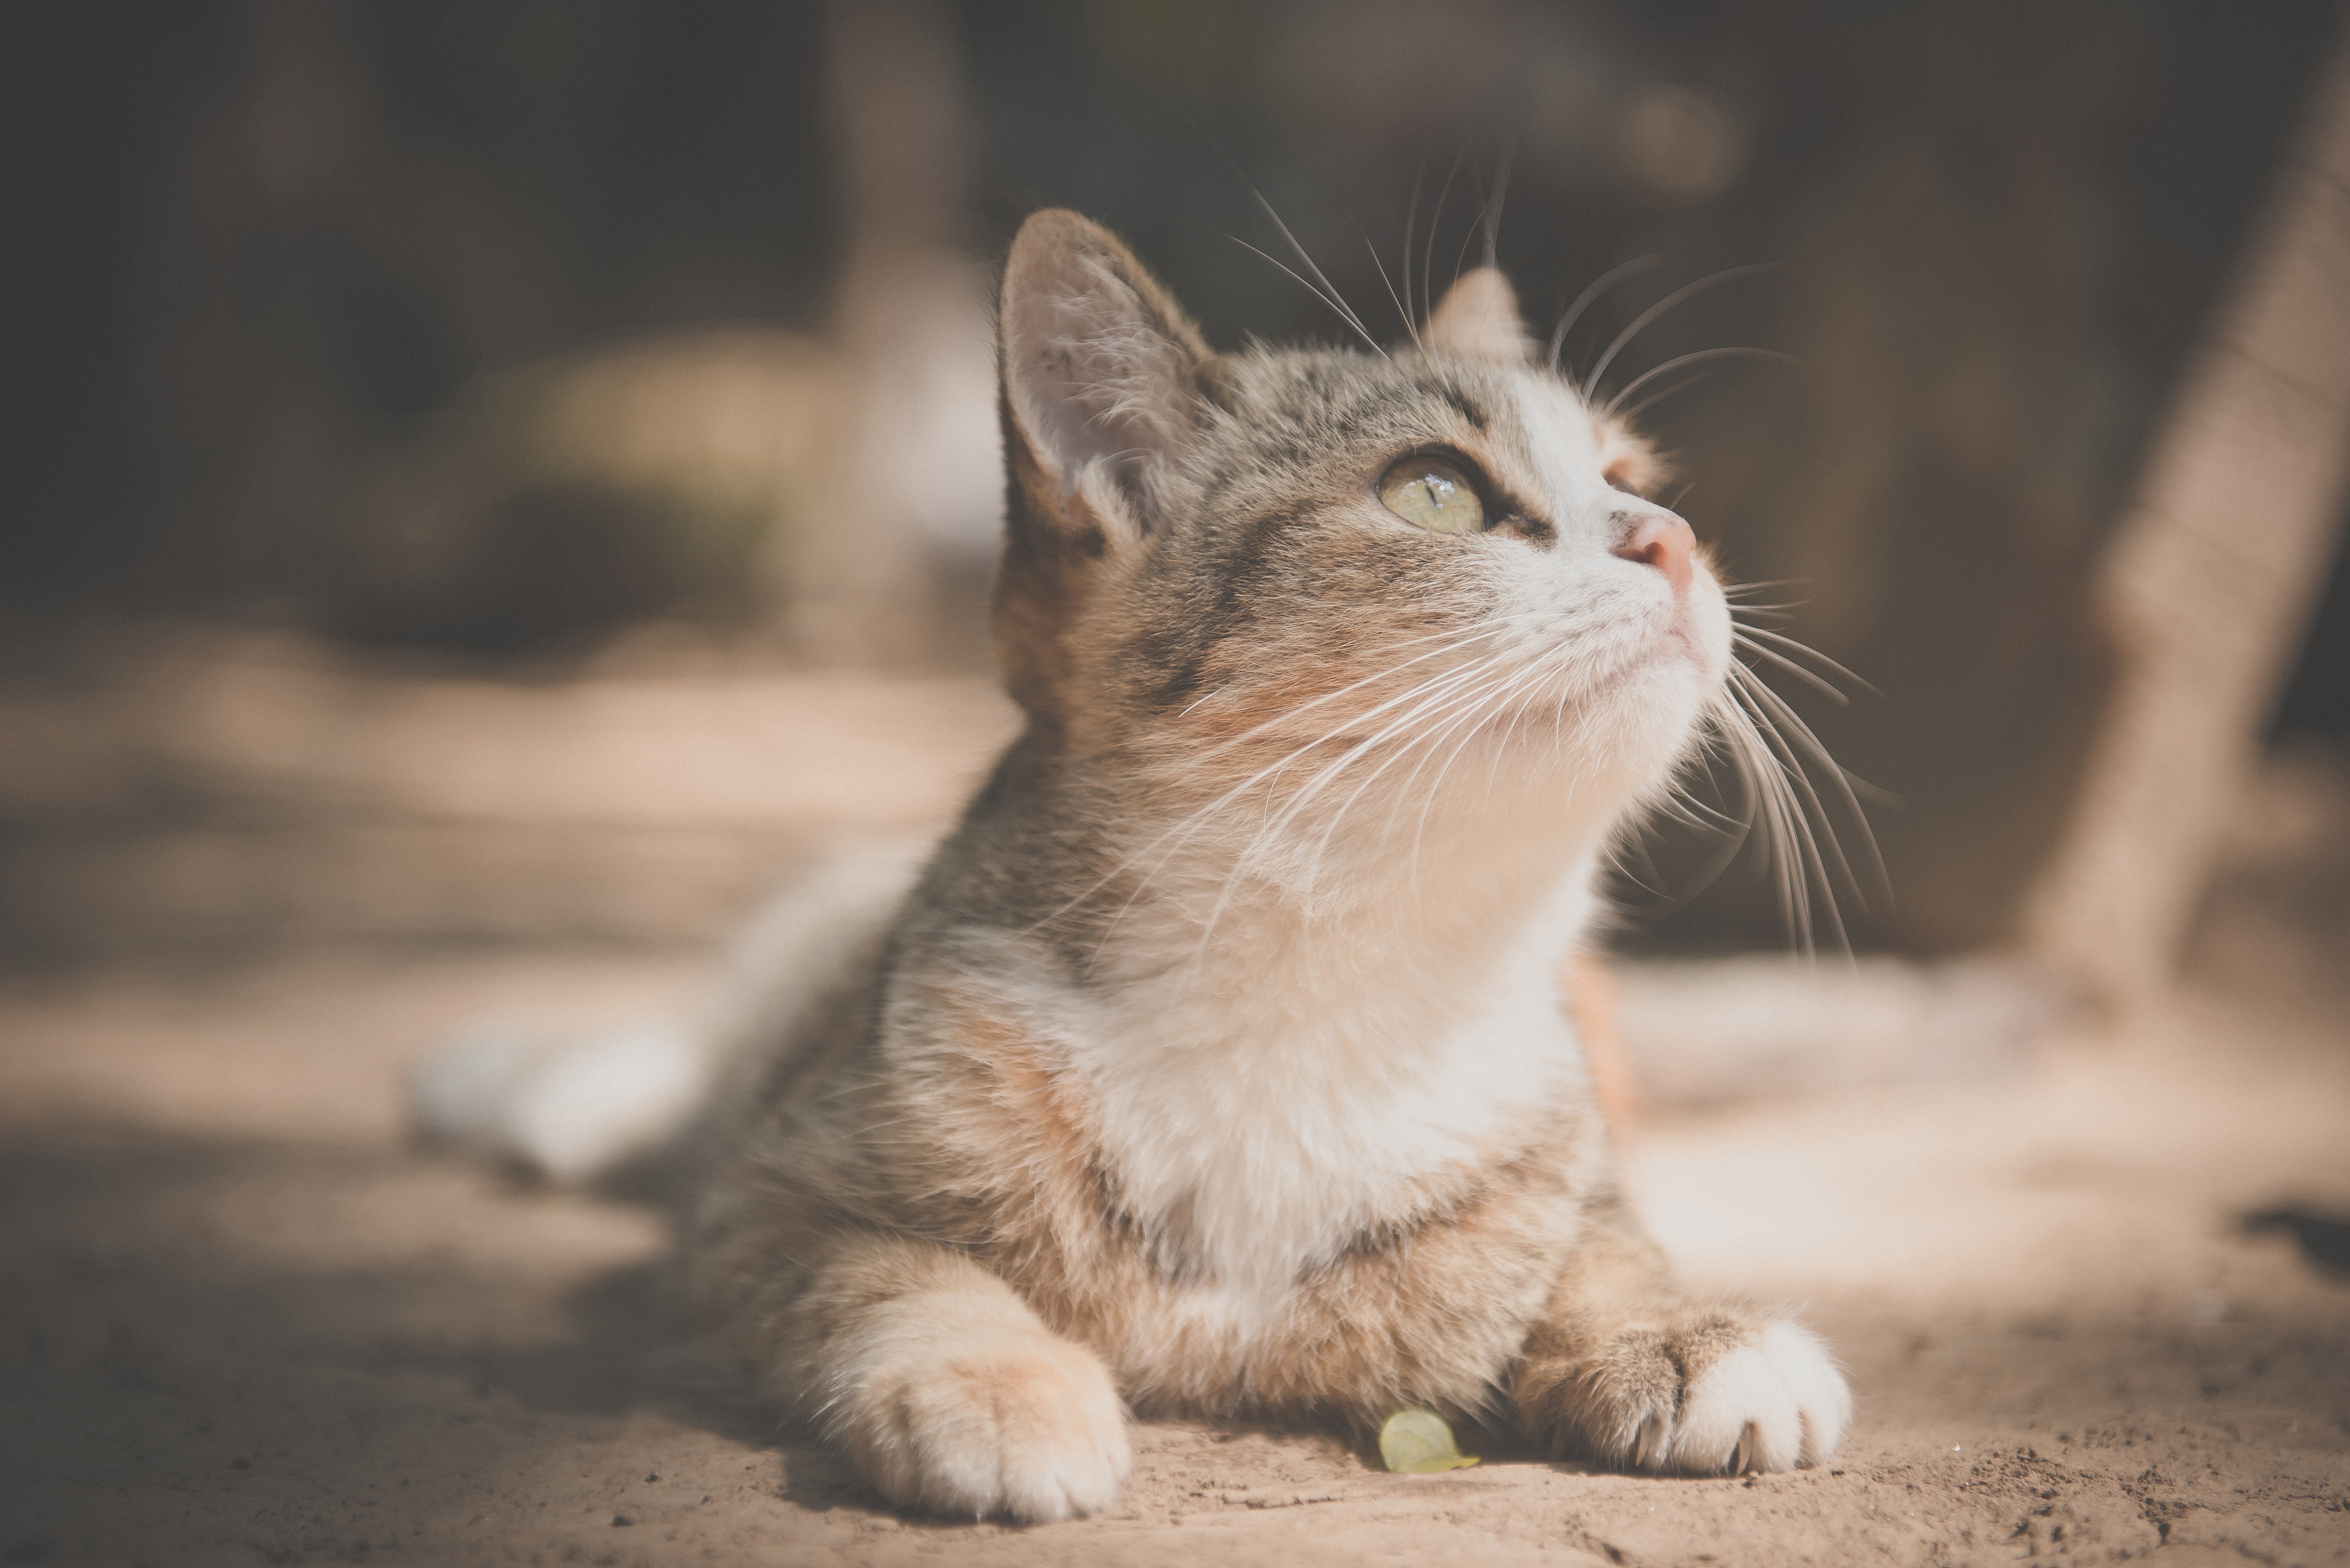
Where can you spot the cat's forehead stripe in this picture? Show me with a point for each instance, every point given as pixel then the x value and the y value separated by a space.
pixel 1468 407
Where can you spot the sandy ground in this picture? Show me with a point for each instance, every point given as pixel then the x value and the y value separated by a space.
pixel 241 1322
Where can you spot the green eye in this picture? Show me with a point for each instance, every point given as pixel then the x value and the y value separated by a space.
pixel 1432 493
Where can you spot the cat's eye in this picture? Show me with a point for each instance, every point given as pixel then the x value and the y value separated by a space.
pixel 1431 492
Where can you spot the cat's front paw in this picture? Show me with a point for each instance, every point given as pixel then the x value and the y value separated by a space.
pixel 1021 1423
pixel 1717 1393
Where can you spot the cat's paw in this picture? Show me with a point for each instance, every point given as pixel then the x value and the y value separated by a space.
pixel 1718 1393
pixel 1024 1424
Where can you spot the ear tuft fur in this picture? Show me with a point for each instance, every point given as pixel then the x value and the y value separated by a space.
pixel 1478 319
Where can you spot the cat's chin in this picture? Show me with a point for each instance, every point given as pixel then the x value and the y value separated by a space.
pixel 1671 672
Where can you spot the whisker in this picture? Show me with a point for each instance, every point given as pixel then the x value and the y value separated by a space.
pixel 1411 220
pixel 1773 716
pixel 1733 831
pixel 1435 219
pixel 1787 720
pixel 1476 221
pixel 1796 851
pixel 1653 398
pixel 1329 290
pixel 1591 382
pixel 1452 704
pixel 1869 792
pixel 1429 692
pixel 1469 726
pixel 1460 639
pixel 1500 190
pixel 1416 699
pixel 1409 325
pixel 1592 291
pixel 1182 830
pixel 1346 313
pixel 1467 717
pixel 1460 706
pixel 1678 361
pixel 1616 858
pixel 1297 803
pixel 1808 651
pixel 1832 692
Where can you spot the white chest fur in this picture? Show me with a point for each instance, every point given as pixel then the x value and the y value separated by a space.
pixel 1295 1084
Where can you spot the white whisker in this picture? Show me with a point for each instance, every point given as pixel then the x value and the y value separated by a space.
pixel 1640 322
pixel 1410 327
pixel 1592 291
pixel 1681 360
pixel 1493 209
pixel 1428 256
pixel 1785 719
pixel 1329 291
pixel 1182 829
pixel 1653 398
pixel 1834 693
pixel 1792 646
pixel 1346 313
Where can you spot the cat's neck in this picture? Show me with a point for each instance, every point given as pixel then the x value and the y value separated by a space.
pixel 1289 1043
pixel 1371 919
pixel 1448 860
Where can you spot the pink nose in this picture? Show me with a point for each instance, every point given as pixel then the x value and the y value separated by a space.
pixel 1662 541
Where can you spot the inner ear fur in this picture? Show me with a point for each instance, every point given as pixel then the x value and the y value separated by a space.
pixel 1478 319
pixel 1100 371
pixel 1102 375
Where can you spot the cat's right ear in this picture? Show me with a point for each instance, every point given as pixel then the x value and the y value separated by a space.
pixel 1478 319
pixel 1100 376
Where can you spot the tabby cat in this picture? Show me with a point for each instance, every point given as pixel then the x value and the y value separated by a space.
pixel 1217 1063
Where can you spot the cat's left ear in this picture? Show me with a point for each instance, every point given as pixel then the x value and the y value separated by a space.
pixel 1100 371
pixel 1478 319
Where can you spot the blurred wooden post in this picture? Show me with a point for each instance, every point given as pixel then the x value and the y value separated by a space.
pixel 916 464
pixel 2209 582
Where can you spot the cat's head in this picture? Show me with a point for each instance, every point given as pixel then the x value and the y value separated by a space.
pixel 1215 561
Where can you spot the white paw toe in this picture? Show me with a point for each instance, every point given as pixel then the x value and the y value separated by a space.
pixel 1739 1414
pixel 1821 1395
pixel 1773 1404
pixel 1034 1431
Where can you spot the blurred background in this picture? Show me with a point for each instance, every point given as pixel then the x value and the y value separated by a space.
pixel 525 470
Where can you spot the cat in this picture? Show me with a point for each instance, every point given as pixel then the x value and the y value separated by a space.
pixel 1216 1062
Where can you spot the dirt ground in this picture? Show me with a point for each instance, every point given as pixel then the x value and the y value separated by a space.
pixel 241 1320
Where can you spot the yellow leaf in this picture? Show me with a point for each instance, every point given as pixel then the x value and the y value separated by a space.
pixel 1417 1443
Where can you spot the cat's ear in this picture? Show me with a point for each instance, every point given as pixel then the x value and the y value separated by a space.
pixel 1478 319
pixel 1100 370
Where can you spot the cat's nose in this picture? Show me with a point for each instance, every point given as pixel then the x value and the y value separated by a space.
pixel 1660 540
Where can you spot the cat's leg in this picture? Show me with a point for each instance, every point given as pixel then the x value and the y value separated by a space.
pixel 944 1387
pixel 1627 1370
